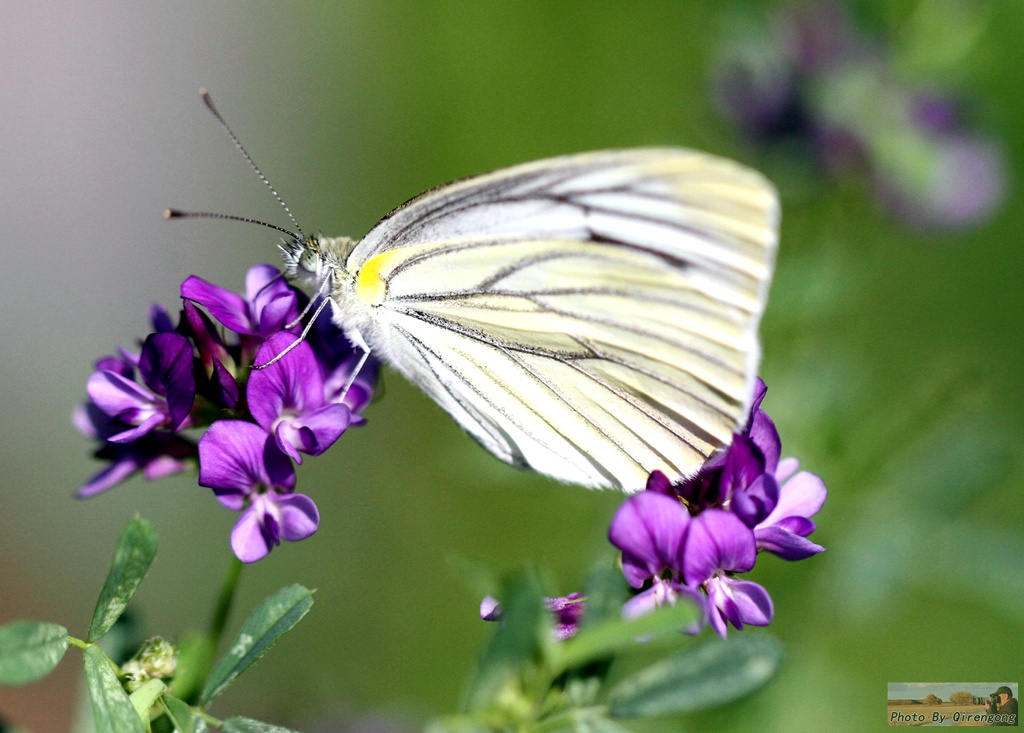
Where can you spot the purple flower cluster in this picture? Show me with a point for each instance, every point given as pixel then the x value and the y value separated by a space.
pixel 258 421
pixel 809 81
pixel 691 539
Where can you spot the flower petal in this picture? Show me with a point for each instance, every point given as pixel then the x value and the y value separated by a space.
pixel 490 609
pixel 739 602
pixel 274 303
pixel 786 468
pixel 224 387
pixel 659 483
pixel 292 384
pixel 717 541
pixel 164 466
pixel 785 544
pixel 205 335
pixel 143 428
pixel 247 539
pixel 753 602
pixel 160 318
pixel 166 368
pixel 797 525
pixel 110 476
pixel 119 397
pixel 756 501
pixel 801 496
pixel 766 437
pixel 229 308
pixel 650 529
pixel 299 516
pixel 640 604
pixel 236 457
pixel 313 433
pixel 744 462
pixel 760 390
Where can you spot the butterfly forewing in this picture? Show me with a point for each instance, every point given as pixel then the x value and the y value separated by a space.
pixel 593 317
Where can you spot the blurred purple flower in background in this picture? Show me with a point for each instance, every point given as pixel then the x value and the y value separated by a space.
pixel 567 612
pixel 194 376
pixel 809 82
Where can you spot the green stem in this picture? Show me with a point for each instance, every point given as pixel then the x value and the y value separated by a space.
pixel 187 685
pixel 227 597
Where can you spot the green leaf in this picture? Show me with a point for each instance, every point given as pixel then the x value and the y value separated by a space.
pixel 275 617
pixel 179 713
pixel 700 677
pixel 134 554
pixel 144 697
pixel 515 643
pixel 247 725
pixel 605 590
pixel 612 635
pixel 112 711
pixel 590 721
pixel 29 650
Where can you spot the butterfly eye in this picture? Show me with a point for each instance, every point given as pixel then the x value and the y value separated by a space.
pixel 307 260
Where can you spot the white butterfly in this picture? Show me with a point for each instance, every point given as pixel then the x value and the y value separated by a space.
pixel 592 317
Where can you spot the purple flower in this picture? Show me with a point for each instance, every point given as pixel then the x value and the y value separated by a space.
pixel 692 538
pixel 191 376
pixel 742 477
pixel 651 530
pixel 242 464
pixel 166 369
pixel 808 82
pixel 156 454
pixel 490 609
pixel 287 399
pixel 567 611
pixel 270 303
pixel 963 184
pixel 160 319
pixel 718 544
pixel 218 365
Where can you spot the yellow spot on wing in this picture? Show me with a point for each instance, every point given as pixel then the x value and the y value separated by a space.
pixel 371 287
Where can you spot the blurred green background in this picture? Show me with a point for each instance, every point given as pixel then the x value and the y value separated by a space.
pixel 892 354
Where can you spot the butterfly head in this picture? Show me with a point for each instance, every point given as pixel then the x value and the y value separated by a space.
pixel 303 259
pixel 314 259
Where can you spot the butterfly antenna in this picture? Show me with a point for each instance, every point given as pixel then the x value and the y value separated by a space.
pixel 178 214
pixel 208 101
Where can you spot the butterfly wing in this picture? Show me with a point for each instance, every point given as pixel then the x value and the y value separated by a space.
pixel 592 317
